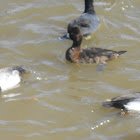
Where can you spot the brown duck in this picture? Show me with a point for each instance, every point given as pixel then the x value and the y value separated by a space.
pixel 76 54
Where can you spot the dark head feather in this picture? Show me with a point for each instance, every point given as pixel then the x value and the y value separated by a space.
pixel 20 69
pixel 76 35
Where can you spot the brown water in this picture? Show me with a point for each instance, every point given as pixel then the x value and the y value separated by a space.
pixel 69 95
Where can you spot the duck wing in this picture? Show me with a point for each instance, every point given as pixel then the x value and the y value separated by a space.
pixel 98 52
pixel 127 97
pixel 98 55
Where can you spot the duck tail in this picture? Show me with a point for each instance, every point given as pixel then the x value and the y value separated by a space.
pixel 107 104
pixel 121 52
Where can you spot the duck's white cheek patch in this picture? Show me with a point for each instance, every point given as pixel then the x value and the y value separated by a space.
pixel 133 106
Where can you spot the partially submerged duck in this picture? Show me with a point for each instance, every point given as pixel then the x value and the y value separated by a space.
pixel 10 77
pixel 125 102
pixel 76 54
pixel 87 22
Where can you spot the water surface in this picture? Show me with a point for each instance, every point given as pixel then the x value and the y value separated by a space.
pixel 69 95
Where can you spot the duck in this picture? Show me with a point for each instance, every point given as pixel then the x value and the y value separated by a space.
pixel 88 22
pixel 10 77
pixel 128 102
pixel 76 54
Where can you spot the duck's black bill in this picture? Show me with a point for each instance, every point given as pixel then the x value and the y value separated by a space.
pixel 66 36
pixel 107 104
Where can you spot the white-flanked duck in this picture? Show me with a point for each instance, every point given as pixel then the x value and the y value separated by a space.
pixel 88 22
pixel 10 77
pixel 130 102
pixel 76 54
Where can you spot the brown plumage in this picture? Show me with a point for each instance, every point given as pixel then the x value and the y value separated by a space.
pixel 87 55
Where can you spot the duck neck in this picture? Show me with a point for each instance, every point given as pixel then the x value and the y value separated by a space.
pixel 89 8
pixel 77 44
pixel 73 53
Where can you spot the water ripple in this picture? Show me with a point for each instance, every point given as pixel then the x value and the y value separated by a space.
pixel 16 8
pixel 69 96
pixel 128 37
pixel 54 107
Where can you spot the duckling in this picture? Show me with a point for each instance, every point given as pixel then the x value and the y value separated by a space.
pixel 125 102
pixel 87 22
pixel 76 54
pixel 10 77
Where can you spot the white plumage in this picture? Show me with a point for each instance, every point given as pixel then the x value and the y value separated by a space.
pixel 10 77
pixel 134 105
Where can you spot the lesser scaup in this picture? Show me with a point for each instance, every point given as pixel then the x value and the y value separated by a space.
pixel 87 22
pixel 77 54
pixel 10 77
pixel 125 102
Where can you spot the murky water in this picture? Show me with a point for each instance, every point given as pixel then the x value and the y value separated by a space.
pixel 69 95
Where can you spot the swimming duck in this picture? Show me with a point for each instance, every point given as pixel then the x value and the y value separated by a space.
pixel 125 102
pixel 77 54
pixel 87 22
pixel 10 77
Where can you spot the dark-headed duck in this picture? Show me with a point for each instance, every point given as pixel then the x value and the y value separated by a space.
pixel 10 77
pixel 125 102
pixel 87 22
pixel 77 54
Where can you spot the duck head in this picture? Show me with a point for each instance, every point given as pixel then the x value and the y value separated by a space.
pixel 75 34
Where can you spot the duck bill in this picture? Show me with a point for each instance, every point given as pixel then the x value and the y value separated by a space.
pixel 66 36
